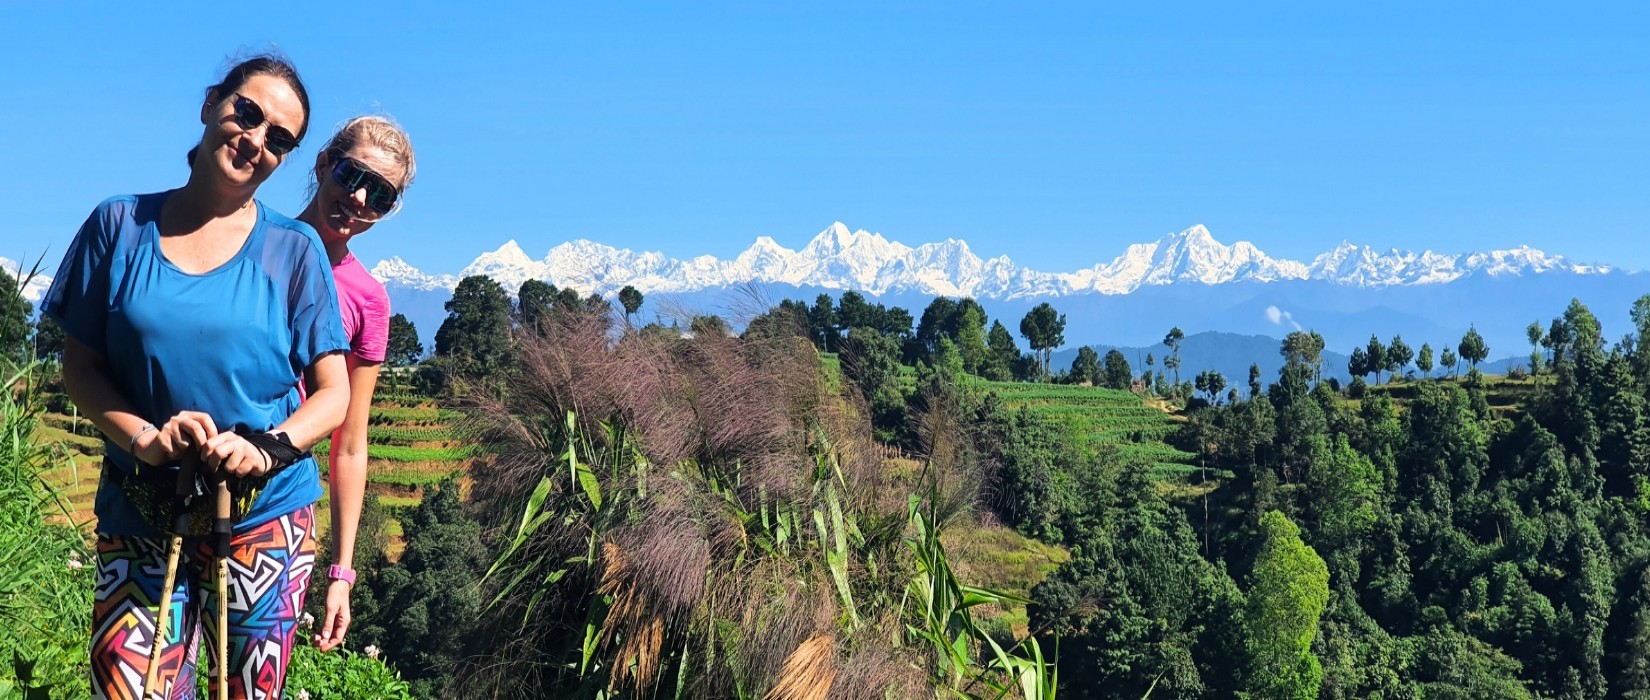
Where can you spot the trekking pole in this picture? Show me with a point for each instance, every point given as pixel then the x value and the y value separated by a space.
pixel 221 530
pixel 180 525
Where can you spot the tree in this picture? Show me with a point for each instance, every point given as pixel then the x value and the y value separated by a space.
pixel 1640 314
pixel 871 361
pixel 1288 591
pixel 14 321
pixel 852 311
pixel 1172 362
pixel 787 320
pixel 1213 382
pixel 1004 354
pixel 1118 374
pixel 1535 335
pixel 971 341
pixel 1398 355
pixel 1086 368
pixel 631 299
pixel 1254 380
pixel 1448 361
pixel 1472 348
pixel 475 337
pixel 1375 354
pixel 822 324
pixel 534 300
pixel 1358 364
pixel 1045 329
pixel 709 326
pixel 936 318
pixel 1423 361
pixel 431 597
pixel 1304 348
pixel 404 346
pixel 49 339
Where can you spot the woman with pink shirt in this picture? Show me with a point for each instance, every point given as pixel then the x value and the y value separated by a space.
pixel 359 178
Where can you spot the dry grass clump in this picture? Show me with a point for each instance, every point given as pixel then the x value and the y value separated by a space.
pixel 707 519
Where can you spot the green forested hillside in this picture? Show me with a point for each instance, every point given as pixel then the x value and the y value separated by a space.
pixel 847 502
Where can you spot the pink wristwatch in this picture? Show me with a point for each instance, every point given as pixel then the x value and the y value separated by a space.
pixel 339 573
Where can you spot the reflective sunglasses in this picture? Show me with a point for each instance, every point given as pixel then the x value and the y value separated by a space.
pixel 248 115
pixel 353 176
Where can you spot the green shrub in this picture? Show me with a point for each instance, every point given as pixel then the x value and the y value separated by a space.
pixel 46 574
pixel 342 675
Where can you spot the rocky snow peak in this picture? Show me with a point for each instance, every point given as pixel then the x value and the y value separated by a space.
pixel 840 258
pixel 396 272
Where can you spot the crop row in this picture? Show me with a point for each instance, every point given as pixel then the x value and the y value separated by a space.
pixel 422 415
pixel 1155 452
pixel 1063 410
pixel 407 435
pixel 403 398
pixel 1150 432
pixel 1020 391
pixel 400 453
pixel 410 477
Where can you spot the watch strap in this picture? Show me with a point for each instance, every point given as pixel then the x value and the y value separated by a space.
pixel 339 573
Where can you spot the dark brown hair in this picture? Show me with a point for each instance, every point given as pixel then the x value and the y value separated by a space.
pixel 263 64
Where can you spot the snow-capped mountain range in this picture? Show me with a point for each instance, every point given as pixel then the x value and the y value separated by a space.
pixel 872 264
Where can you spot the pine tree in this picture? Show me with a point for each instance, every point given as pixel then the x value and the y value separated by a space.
pixel 1044 329
pixel 631 299
pixel 475 338
pixel 1172 362
pixel 1117 373
pixel 1472 348
pixel 1375 353
pixel 404 347
pixel 1398 355
pixel 1086 368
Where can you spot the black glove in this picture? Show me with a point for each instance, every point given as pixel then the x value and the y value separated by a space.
pixel 277 446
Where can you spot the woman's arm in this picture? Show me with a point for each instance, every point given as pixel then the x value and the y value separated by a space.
pixel 86 380
pixel 320 414
pixel 348 472
pixel 347 477
pixel 327 379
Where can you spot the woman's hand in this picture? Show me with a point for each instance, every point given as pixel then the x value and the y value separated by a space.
pixel 172 439
pixel 231 454
pixel 336 620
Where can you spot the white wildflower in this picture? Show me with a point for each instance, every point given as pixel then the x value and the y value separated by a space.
pixel 306 620
pixel 303 695
pixel 74 564
pixel 371 651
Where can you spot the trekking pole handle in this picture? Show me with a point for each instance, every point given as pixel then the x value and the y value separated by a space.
pixel 221 525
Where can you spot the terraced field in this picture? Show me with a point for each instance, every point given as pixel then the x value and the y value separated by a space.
pixel 1102 418
pixel 411 444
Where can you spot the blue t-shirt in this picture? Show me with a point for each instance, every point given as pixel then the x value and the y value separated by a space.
pixel 231 343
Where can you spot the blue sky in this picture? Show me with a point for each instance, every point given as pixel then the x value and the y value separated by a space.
pixel 1054 133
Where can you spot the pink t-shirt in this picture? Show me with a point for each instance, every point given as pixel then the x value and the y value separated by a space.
pixel 366 308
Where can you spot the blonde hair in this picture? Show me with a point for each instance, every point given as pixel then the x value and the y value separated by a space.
pixel 381 131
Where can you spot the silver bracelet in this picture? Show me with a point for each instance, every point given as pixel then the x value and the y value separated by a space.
pixel 132 446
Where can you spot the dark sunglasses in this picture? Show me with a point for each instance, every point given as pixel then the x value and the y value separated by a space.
pixel 353 176
pixel 248 115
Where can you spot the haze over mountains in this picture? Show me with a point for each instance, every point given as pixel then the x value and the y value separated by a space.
pixel 1187 279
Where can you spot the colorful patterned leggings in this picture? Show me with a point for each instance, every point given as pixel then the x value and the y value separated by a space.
pixel 269 570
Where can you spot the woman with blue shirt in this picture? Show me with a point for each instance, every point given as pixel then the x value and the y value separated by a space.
pixel 191 315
